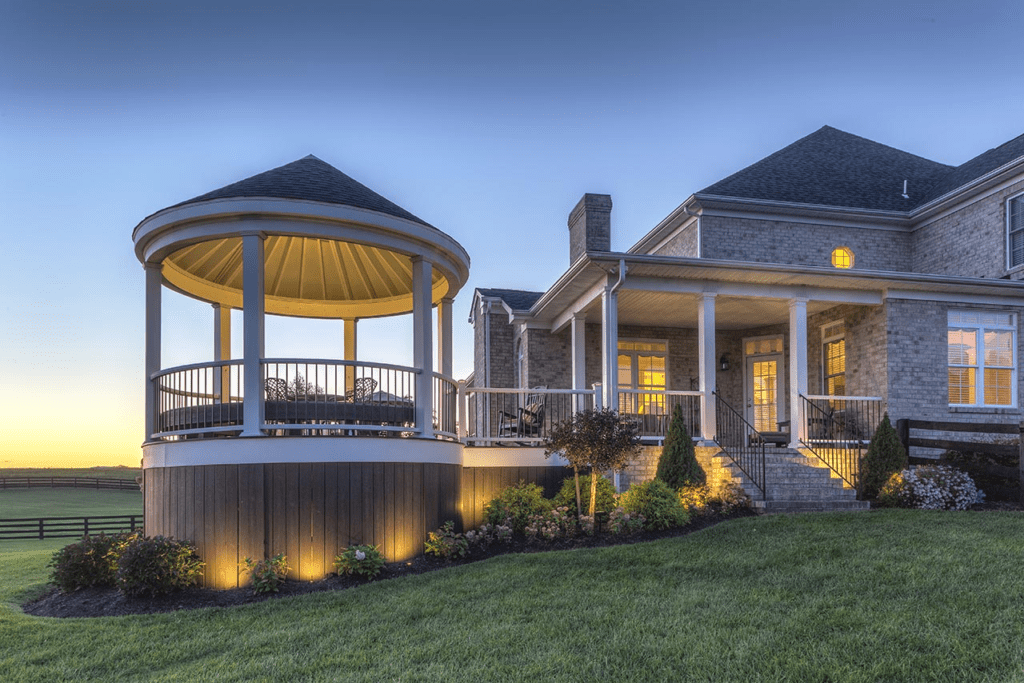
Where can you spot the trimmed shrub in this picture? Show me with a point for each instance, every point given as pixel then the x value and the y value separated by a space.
pixel 158 565
pixel 678 466
pixel 362 560
pixel 556 523
pixel 884 458
pixel 930 487
pixel 89 562
pixel 267 574
pixel 515 505
pixel 658 504
pixel 566 496
pixel 445 543
pixel 696 499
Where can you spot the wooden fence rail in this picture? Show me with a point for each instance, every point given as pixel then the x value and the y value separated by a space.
pixel 67 527
pixel 68 482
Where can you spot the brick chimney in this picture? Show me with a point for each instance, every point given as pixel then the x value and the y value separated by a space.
pixel 590 225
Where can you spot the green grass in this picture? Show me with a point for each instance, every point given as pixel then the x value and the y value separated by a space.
pixel 880 596
pixel 95 472
pixel 47 502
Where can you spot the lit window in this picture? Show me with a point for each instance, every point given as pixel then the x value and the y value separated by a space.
pixel 1015 231
pixel 982 359
pixel 842 257
pixel 833 359
pixel 642 376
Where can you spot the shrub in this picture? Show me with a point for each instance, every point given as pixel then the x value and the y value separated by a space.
pixel 622 522
pixel 362 560
pixel 556 523
pixel 658 504
pixel 930 487
pixel 157 565
pixel 514 506
pixel 89 562
pixel 678 466
pixel 884 458
pixel 489 533
pixel 566 496
pixel 445 543
pixel 696 499
pixel 731 497
pixel 267 574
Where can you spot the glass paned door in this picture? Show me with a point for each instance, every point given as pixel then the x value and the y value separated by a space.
pixel 763 392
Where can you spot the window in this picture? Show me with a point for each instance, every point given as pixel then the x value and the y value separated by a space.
pixel 842 257
pixel 982 358
pixel 1015 231
pixel 833 359
pixel 520 364
pixel 641 374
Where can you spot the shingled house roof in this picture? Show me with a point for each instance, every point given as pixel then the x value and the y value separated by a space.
pixel 517 299
pixel 312 179
pixel 979 166
pixel 833 168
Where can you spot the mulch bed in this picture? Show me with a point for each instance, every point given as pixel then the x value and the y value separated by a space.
pixel 109 602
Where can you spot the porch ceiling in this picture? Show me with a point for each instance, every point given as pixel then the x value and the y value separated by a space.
pixel 669 309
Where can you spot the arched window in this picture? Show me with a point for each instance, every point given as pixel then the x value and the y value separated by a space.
pixel 842 257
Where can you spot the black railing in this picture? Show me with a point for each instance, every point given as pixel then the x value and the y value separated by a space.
pixel 743 444
pixel 838 430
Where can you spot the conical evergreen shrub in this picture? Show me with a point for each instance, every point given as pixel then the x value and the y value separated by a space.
pixel 884 458
pixel 678 466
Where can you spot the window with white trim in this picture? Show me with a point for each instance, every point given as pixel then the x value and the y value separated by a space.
pixel 833 359
pixel 642 373
pixel 1015 231
pixel 982 358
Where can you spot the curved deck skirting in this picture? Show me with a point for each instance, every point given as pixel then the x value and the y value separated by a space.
pixel 298 449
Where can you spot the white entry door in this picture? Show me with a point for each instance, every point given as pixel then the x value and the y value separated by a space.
pixel 764 391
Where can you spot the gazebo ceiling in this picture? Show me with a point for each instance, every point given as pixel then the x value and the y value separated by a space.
pixel 333 248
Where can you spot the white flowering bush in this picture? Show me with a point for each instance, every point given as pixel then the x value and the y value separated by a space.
pixel 556 523
pixel 487 534
pixel 587 524
pixel 930 487
pixel 622 522
pixel 362 560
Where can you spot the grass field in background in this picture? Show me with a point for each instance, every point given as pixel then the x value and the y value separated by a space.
pixel 901 595
pixel 96 472
pixel 47 502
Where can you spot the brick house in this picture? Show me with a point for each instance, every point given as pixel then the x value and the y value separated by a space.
pixel 792 303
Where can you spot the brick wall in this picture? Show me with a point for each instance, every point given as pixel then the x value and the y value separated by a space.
pixel 764 241
pixel 975 234
pixel 683 244
pixel 865 349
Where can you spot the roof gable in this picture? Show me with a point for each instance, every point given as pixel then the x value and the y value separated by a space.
pixel 978 166
pixel 311 179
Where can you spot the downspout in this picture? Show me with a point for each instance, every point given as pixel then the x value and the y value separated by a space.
pixel 487 343
pixel 614 288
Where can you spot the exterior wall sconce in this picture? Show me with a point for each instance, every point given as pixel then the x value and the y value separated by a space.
pixel 723 362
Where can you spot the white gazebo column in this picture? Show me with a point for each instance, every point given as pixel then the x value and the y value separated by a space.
pixel 349 353
pixel 610 347
pixel 579 358
pixel 797 370
pixel 253 308
pixel 154 281
pixel 707 367
pixel 444 336
pixel 222 352
pixel 422 353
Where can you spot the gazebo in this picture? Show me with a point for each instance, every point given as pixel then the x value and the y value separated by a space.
pixel 255 456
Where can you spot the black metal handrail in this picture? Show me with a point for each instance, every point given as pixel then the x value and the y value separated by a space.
pixel 837 431
pixel 743 444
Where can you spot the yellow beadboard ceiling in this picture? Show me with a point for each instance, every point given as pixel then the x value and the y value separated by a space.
pixel 306 277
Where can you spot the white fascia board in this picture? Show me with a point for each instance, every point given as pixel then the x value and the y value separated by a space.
pixel 789 210
pixel 588 297
pixel 1010 299
pixel 754 290
pixel 954 202
pixel 642 245
pixel 853 222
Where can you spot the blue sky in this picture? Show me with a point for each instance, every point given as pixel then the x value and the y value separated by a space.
pixel 487 119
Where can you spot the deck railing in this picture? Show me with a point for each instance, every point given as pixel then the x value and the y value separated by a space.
pixel 446 407
pixel 191 398
pixel 838 430
pixel 743 444
pixel 652 410
pixel 519 416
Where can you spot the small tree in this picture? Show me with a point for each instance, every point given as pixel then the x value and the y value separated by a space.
pixel 678 466
pixel 884 458
pixel 598 439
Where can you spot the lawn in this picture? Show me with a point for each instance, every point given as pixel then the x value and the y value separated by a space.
pixel 880 596
pixel 47 502
pixel 95 472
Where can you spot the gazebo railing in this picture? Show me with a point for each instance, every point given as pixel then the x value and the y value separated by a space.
pixel 446 407
pixel 192 397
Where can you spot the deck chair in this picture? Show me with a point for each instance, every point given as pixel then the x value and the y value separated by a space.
pixel 528 421
pixel 277 389
pixel 362 390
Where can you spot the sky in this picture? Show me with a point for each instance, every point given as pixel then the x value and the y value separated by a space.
pixel 487 119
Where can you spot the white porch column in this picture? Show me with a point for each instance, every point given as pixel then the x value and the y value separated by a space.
pixel 222 351
pixel 579 358
pixel 797 370
pixel 707 367
pixel 421 345
pixel 349 352
pixel 154 301
pixel 253 309
pixel 444 336
pixel 610 347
